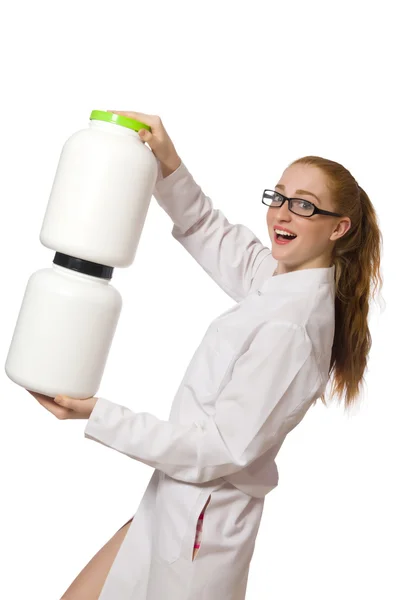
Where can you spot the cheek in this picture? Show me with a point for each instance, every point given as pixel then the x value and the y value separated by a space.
pixel 314 236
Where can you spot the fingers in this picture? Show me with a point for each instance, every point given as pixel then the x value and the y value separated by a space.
pixel 48 403
pixel 40 396
pixel 151 120
pixel 79 408
pixel 157 139
pixel 147 136
pixel 69 402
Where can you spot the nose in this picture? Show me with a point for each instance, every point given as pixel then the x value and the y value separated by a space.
pixel 283 211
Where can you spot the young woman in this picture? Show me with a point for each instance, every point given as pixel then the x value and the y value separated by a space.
pixel 300 316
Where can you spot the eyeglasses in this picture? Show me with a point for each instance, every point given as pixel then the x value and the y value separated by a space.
pixel 300 207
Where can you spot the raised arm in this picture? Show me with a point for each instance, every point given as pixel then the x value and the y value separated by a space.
pixel 230 253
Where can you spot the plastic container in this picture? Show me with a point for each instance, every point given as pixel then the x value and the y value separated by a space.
pixel 94 220
pixel 101 192
pixel 65 328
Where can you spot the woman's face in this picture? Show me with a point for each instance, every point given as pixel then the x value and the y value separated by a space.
pixel 316 235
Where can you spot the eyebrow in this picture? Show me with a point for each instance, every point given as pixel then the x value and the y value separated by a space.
pixel 300 192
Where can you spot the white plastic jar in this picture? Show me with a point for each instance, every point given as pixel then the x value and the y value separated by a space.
pixel 65 328
pixel 94 219
pixel 101 192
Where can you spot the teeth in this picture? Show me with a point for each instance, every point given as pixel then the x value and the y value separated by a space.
pixel 284 232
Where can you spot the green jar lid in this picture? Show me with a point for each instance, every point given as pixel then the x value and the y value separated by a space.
pixel 109 117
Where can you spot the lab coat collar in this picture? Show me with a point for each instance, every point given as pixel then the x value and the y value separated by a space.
pixel 298 279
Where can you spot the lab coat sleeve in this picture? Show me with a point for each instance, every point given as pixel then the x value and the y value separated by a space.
pixel 230 253
pixel 272 383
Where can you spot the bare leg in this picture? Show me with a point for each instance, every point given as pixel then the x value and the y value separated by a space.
pixel 89 583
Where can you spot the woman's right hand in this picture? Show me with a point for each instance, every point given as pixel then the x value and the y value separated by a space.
pixel 158 140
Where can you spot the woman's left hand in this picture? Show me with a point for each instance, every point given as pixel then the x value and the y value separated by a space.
pixel 64 407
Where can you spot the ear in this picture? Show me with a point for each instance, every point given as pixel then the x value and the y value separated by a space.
pixel 341 229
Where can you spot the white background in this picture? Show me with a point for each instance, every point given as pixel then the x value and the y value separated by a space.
pixel 243 89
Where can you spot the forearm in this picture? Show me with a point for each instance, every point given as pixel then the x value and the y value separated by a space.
pixel 194 453
pixel 229 253
pixel 170 166
pixel 272 385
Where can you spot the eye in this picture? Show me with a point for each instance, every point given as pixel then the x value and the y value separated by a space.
pixel 305 204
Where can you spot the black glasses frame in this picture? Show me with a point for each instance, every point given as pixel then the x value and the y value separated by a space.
pixel 316 210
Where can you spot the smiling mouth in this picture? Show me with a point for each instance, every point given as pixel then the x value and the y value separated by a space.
pixel 283 239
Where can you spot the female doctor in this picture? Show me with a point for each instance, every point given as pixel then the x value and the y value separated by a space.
pixel 300 316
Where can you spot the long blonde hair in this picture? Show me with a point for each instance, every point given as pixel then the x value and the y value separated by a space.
pixel 356 256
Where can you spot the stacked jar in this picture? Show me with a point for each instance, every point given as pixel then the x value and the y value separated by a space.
pixel 93 220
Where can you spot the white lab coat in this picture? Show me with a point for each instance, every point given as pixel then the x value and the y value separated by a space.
pixel 253 377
